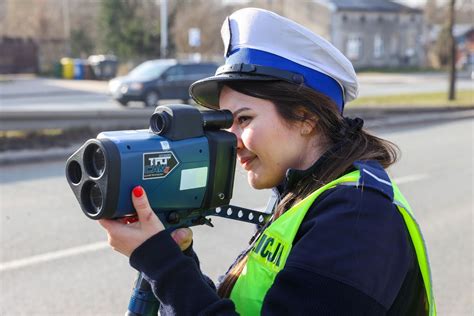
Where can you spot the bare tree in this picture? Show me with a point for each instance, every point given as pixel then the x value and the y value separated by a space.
pixel 207 16
pixel 452 52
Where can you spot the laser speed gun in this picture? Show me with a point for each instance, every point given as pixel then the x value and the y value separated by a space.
pixel 185 162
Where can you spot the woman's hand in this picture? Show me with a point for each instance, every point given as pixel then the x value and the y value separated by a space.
pixel 125 238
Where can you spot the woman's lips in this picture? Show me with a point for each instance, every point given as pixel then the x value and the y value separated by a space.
pixel 246 161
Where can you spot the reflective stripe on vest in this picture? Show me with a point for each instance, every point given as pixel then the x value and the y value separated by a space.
pixel 269 254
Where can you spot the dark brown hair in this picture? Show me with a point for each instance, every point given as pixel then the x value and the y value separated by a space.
pixel 343 142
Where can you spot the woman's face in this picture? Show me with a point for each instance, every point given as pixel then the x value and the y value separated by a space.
pixel 266 145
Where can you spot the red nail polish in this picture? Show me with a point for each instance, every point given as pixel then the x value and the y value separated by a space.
pixel 128 219
pixel 138 191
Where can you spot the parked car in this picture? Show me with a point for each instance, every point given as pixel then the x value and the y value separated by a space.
pixel 159 79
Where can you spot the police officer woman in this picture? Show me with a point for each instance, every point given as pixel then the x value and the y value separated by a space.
pixel 342 240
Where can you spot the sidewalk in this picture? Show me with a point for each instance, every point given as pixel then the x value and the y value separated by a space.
pixel 24 86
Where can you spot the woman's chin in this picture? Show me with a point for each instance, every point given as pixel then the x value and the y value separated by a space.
pixel 257 182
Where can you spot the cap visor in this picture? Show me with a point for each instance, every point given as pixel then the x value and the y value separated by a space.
pixel 206 91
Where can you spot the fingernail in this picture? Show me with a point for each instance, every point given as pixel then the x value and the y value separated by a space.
pixel 137 191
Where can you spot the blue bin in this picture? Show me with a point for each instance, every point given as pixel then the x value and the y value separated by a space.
pixel 78 69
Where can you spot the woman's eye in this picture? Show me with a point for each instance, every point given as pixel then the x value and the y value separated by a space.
pixel 243 119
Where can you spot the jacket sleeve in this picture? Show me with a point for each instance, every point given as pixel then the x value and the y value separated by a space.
pixel 176 279
pixel 350 257
pixel 189 252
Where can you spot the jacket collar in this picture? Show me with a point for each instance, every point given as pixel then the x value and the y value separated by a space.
pixel 293 176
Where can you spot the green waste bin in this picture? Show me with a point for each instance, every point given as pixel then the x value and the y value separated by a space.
pixel 58 70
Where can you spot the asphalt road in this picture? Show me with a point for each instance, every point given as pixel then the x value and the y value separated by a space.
pixel 52 94
pixel 55 261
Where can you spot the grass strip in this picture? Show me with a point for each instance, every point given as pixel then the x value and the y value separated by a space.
pixel 432 99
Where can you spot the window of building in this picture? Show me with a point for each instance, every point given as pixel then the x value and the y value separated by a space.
pixel 410 40
pixel 378 46
pixel 354 47
pixel 394 45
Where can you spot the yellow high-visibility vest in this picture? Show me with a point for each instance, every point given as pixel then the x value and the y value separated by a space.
pixel 269 254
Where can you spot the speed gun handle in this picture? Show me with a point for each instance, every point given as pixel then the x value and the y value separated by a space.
pixel 142 302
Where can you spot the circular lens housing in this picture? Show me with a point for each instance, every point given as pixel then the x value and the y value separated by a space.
pixel 94 160
pixel 95 196
pixel 98 161
pixel 92 198
pixel 159 122
pixel 74 172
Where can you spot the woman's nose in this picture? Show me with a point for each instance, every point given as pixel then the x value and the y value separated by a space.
pixel 236 131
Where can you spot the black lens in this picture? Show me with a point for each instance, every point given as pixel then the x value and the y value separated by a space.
pixel 217 119
pixel 74 172
pixel 96 197
pixel 92 199
pixel 94 160
pixel 98 161
pixel 159 122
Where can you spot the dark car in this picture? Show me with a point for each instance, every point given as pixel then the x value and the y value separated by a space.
pixel 159 79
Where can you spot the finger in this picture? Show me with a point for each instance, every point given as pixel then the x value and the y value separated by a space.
pixel 145 214
pixel 141 204
pixel 183 237
pixel 108 224
pixel 112 228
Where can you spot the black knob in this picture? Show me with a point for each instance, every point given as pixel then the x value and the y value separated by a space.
pixel 173 218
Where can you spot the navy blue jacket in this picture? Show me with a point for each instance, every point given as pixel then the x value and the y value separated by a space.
pixel 352 255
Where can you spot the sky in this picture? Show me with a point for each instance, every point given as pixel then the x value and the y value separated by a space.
pixel 412 3
pixel 418 3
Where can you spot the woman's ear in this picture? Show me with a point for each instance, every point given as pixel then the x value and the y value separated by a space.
pixel 308 123
pixel 307 127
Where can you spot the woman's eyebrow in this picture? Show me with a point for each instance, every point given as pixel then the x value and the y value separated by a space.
pixel 240 110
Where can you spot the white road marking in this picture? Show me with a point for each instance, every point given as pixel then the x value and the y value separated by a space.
pixel 50 256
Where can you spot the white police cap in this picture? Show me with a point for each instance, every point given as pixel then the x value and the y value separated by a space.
pixel 261 45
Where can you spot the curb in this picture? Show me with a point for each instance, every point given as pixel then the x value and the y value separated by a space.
pixel 29 156
pixel 51 93
pixel 107 119
pixel 429 117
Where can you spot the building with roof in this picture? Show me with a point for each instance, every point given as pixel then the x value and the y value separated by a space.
pixel 465 48
pixel 464 36
pixel 371 33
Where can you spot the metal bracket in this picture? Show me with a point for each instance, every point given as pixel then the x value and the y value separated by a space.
pixel 247 215
pixel 242 214
pixel 184 218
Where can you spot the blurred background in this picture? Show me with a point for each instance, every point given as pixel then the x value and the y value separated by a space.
pixel 404 35
pixel 70 69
